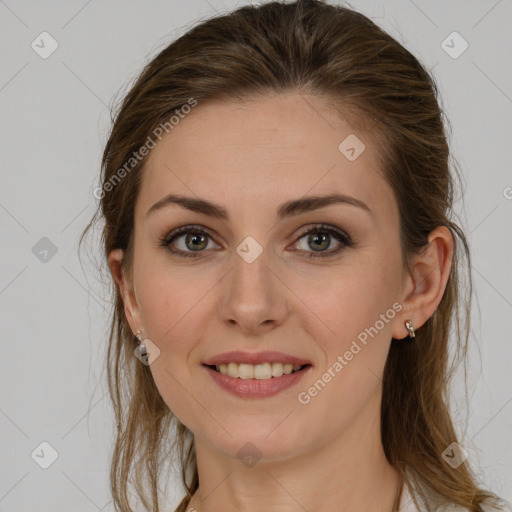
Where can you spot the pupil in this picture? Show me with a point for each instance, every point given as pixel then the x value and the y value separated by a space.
pixel 316 236
pixel 319 239
pixel 194 239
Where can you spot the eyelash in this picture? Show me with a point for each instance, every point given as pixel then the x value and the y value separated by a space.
pixel 320 228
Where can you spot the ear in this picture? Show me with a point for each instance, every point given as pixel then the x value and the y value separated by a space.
pixel 131 309
pixel 425 285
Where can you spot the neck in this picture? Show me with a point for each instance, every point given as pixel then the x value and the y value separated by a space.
pixel 341 473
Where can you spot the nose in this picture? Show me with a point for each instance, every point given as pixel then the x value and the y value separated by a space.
pixel 254 297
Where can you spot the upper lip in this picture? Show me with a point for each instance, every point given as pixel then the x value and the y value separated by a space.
pixel 239 356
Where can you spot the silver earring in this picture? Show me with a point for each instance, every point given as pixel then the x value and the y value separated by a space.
pixel 410 329
pixel 141 348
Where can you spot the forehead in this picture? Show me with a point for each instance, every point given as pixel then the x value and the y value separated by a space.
pixel 256 153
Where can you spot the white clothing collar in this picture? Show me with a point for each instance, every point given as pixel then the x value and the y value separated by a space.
pixel 407 505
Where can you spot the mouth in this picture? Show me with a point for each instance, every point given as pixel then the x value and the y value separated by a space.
pixel 256 381
pixel 263 371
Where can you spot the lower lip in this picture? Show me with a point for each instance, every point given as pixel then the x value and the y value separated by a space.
pixel 256 388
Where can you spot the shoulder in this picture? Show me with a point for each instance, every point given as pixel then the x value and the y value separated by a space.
pixel 407 504
pixel 490 508
pixel 485 508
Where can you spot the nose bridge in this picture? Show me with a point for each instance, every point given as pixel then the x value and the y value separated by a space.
pixel 251 296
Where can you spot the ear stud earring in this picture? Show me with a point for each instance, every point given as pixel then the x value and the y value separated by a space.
pixel 410 328
pixel 141 348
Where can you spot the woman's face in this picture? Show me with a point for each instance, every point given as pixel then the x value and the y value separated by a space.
pixel 256 281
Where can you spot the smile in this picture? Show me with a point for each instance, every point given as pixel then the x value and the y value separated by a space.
pixel 256 382
pixel 261 371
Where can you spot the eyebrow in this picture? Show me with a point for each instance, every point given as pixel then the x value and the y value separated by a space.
pixel 287 209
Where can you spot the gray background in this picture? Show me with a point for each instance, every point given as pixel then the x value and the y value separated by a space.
pixel 53 310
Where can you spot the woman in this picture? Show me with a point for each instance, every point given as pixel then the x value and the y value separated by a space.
pixel 277 198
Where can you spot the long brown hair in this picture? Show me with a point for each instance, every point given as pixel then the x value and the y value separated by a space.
pixel 332 52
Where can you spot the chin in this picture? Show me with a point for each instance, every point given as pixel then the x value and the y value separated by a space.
pixel 251 445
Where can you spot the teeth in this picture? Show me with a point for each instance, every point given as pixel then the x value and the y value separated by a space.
pixel 231 370
pixel 257 371
pixel 277 369
pixel 246 371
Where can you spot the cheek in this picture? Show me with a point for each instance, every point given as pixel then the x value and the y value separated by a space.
pixel 167 298
pixel 356 312
pixel 349 300
pixel 174 307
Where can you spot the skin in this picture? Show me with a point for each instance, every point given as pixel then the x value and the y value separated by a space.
pixel 250 157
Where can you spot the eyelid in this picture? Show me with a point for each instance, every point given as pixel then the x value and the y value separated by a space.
pixel 342 237
pixel 166 240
